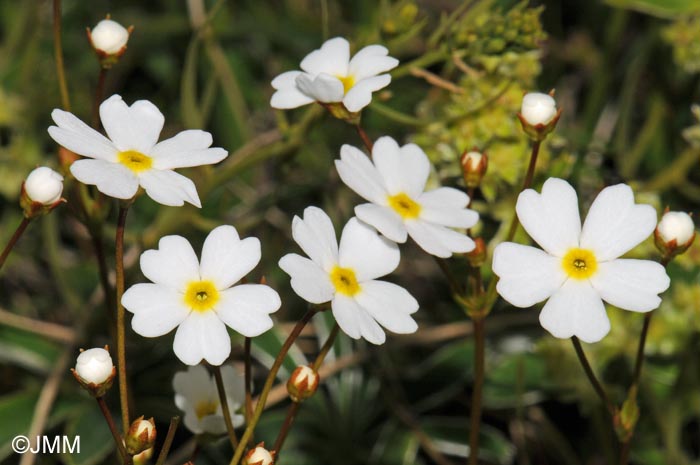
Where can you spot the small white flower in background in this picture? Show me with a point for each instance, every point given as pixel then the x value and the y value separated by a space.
pixel 108 37
pixel 538 108
pixel 94 366
pixel 259 456
pixel 346 276
pixel 676 226
pixel 579 267
pixel 394 182
pixel 196 395
pixel 330 76
pixel 132 156
pixel 199 297
pixel 44 185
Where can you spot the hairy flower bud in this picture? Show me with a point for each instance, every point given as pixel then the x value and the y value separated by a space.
pixel 95 371
pixel 44 185
pixel 141 436
pixel 539 114
pixel 474 165
pixel 259 456
pixel 674 233
pixel 303 383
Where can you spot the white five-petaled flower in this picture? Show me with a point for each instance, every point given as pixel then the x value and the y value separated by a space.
pixel 346 276
pixel 330 76
pixel 579 267
pixel 132 156
pixel 394 182
pixel 538 108
pixel 197 396
pixel 199 297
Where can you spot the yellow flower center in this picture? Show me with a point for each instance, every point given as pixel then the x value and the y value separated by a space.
pixel 345 281
pixel 205 408
pixel 135 161
pixel 579 263
pixel 348 82
pixel 404 206
pixel 201 296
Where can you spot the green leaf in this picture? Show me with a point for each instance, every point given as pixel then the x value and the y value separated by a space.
pixel 396 446
pixel 27 350
pixel 660 8
pixel 96 441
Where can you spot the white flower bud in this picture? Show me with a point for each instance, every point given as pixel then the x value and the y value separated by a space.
pixel 259 456
pixel 538 108
pixel 44 185
pixel 109 37
pixel 94 366
pixel 676 226
pixel 141 436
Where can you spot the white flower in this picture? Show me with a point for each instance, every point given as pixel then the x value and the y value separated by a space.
pixel 676 226
pixel 579 267
pixel 94 366
pixel 346 276
pixel 259 456
pixel 132 156
pixel 199 297
pixel 109 37
pixel 44 185
pixel 197 396
pixel 538 108
pixel 329 76
pixel 394 182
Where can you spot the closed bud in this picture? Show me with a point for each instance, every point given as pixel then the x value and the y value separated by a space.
pixel 474 165
pixel 674 233
pixel 141 436
pixel 259 456
pixel 303 383
pixel 41 192
pixel 142 458
pixel 477 257
pixel 539 114
pixel 95 371
pixel 109 38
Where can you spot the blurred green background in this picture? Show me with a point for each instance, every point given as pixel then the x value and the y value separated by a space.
pixel 626 76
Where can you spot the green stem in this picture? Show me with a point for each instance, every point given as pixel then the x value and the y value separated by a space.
pixel 260 406
pixel 99 92
pixel 13 240
pixel 592 377
pixel 475 420
pixel 118 440
pixel 121 335
pixel 248 408
pixel 365 138
pixel 58 55
pixel 224 406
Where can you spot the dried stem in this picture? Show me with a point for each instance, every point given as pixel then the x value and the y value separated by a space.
pixel 13 240
pixel 174 422
pixel 475 418
pixel 118 440
pixel 365 138
pixel 224 406
pixel 99 95
pixel 592 378
pixel 248 408
pixel 58 55
pixel 121 336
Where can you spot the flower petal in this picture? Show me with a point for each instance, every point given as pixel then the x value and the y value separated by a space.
pixel 80 138
pixel 551 218
pixel 131 128
pixel 246 308
pixel 615 224
pixel 360 95
pixel 332 58
pixel 308 280
pixel 359 174
pixel 384 219
pixel 315 234
pixel 576 310
pixel 186 149
pixel 404 169
pixel 631 284
pixel 355 321
pixel 324 87
pixel 390 305
pixel 226 258
pixel 288 94
pixel 202 336
pixel 438 240
pixel 157 309
pixel 527 275
pixel 370 61
pixel 169 188
pixel 444 197
pixel 174 264
pixel 111 179
pixel 367 253
pixel 234 383
pixel 445 215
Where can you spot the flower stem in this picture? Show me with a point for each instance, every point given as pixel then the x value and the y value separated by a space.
pixel 121 336
pixel 113 429
pixel 294 408
pixel 174 422
pixel 13 240
pixel 248 408
pixel 58 55
pixel 99 92
pixel 224 406
pixel 592 378
pixel 475 419
pixel 365 138
pixel 260 406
